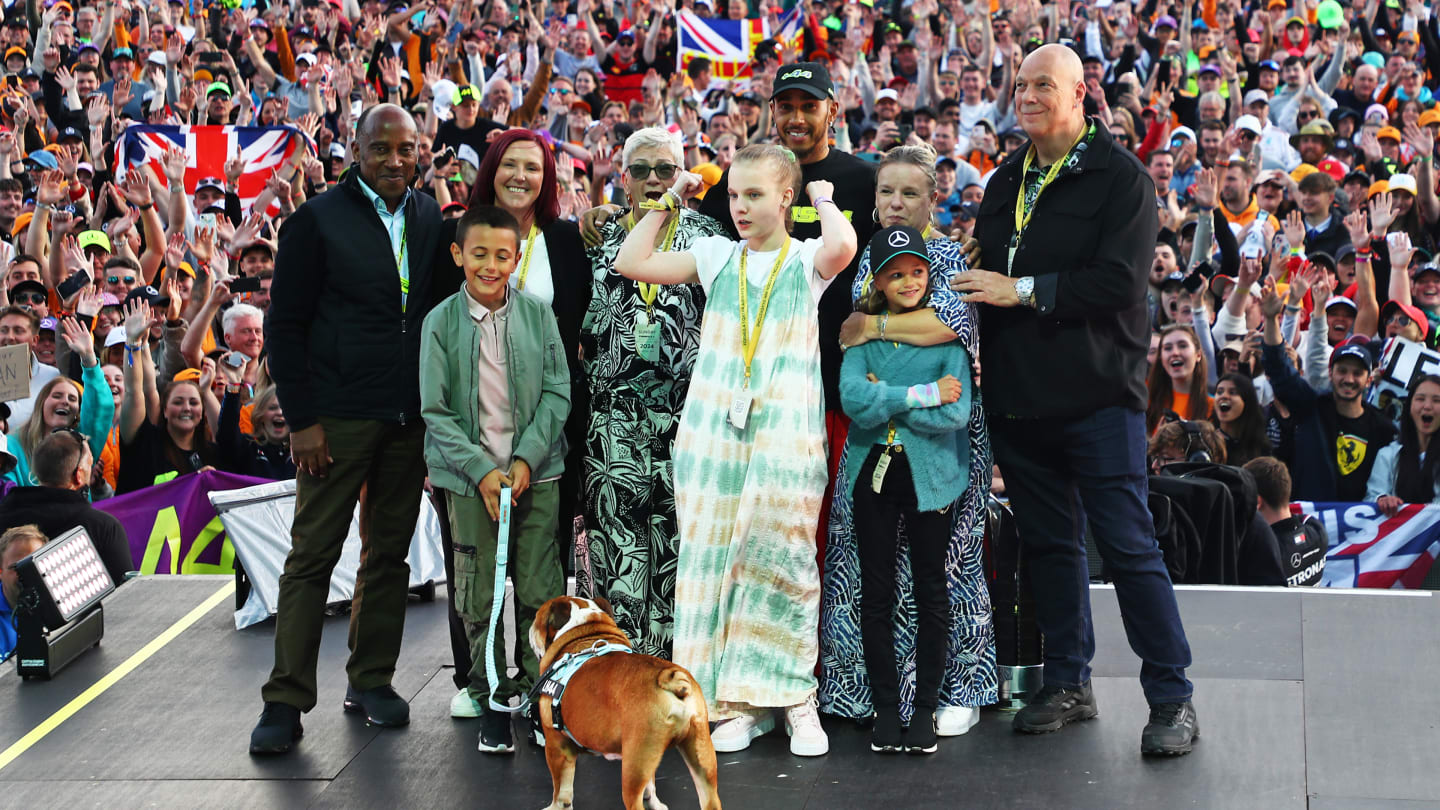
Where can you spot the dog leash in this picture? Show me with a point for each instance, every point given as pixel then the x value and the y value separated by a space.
pixel 502 562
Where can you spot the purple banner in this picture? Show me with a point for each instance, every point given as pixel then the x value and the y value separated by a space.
pixel 172 527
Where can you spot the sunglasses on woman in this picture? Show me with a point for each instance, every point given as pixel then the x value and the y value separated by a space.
pixel 664 171
pixel 1306 115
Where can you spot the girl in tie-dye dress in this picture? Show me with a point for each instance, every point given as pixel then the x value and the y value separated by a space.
pixel 750 453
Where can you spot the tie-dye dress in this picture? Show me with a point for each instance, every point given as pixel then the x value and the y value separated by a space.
pixel 747 594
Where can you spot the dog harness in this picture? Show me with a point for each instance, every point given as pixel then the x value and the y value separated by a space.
pixel 554 680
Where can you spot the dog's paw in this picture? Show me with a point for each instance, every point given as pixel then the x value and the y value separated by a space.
pixel 652 800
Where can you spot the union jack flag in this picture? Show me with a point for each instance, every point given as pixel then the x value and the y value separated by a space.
pixel 1369 550
pixel 264 149
pixel 728 44
pixel 792 31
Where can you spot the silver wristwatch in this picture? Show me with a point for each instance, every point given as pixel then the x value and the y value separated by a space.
pixel 1025 291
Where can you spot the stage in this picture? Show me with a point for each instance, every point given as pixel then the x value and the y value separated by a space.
pixel 1319 699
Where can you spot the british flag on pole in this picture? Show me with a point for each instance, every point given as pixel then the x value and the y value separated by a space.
pixel 728 44
pixel 264 149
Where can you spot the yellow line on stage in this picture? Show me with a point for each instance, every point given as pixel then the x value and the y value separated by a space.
pixel 113 677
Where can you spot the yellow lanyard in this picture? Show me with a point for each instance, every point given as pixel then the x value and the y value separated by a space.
pixel 648 292
pixel 525 258
pixel 925 234
pixel 403 268
pixel 1022 217
pixel 749 341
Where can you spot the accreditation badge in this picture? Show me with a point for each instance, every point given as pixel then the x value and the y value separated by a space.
pixel 647 338
pixel 740 408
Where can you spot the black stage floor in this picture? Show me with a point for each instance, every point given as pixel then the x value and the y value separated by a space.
pixel 1324 700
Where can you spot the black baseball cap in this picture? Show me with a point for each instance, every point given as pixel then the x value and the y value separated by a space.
pixel 895 241
pixel 29 286
pixel 1356 352
pixel 812 77
pixel 150 295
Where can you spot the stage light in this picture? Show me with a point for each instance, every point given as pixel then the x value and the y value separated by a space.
pixel 61 586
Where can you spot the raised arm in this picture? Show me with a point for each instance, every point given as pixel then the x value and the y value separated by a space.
pixel 137 358
pixel 836 232
pixel 638 258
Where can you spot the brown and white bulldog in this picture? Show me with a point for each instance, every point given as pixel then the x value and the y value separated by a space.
pixel 626 706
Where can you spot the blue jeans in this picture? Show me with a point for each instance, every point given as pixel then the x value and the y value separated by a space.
pixel 1059 473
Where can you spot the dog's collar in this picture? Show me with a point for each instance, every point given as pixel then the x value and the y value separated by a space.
pixel 598 631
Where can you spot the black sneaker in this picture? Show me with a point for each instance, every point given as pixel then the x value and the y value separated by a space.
pixel 495 734
pixel 1053 707
pixel 887 737
pixel 279 727
pixel 1172 730
pixel 920 737
pixel 381 705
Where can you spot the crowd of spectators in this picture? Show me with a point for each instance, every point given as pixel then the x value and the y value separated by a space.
pixel 1291 146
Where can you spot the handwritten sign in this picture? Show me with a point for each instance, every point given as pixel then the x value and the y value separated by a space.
pixel 1402 362
pixel 14 372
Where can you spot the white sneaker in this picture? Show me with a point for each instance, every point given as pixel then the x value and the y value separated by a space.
pixel 736 733
pixel 462 705
pixel 952 721
pixel 807 736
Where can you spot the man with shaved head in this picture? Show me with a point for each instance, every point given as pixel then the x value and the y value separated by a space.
pixel 351 288
pixel 1067 230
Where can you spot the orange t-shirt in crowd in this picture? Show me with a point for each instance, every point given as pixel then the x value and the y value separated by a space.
pixel 110 457
pixel 1180 403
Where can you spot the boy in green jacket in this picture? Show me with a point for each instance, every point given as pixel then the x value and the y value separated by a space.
pixel 495 392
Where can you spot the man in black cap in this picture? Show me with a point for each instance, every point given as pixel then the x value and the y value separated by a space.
pixel 803 107
pixel 1337 434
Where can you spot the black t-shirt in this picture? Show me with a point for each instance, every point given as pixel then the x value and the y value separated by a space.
pixel 146 458
pixel 1303 543
pixel 448 134
pixel 1357 443
pixel 854 181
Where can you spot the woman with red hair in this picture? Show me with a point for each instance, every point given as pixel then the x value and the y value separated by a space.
pixel 518 175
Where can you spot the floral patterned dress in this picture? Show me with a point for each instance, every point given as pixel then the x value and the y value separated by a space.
pixel 630 546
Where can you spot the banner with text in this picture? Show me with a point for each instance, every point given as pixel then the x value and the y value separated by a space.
pixel 172 527
pixel 1369 550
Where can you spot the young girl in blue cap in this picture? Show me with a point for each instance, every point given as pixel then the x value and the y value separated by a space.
pixel 909 407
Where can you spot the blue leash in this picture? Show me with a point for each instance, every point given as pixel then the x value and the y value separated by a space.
pixel 502 562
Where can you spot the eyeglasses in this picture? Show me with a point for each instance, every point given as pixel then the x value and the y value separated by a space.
pixel 561 91
pixel 28 298
pixel 118 279
pixel 1398 319
pixel 664 171
pixel 80 439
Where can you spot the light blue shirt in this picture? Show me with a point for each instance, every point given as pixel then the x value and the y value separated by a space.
pixel 395 226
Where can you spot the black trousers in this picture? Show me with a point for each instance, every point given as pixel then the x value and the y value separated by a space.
pixel 459 644
pixel 876 519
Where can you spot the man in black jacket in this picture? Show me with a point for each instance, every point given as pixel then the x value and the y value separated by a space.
pixel 351 288
pixel 62 464
pixel 1064 338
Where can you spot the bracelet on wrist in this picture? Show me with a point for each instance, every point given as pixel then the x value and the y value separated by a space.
pixel 815 203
